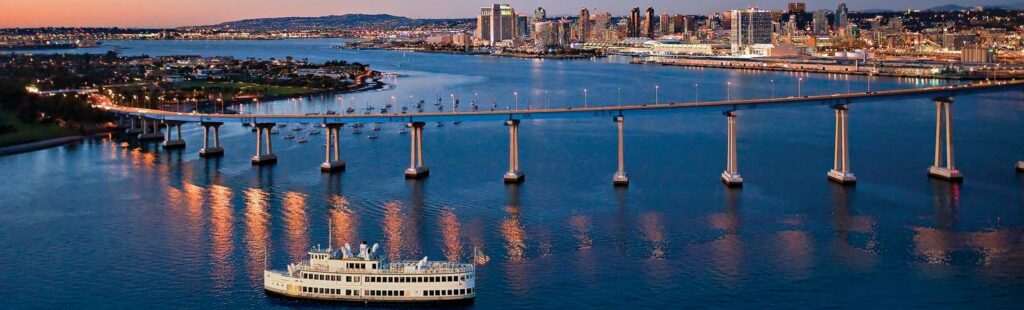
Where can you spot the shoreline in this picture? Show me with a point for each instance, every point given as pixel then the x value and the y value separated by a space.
pixel 49 143
pixel 805 68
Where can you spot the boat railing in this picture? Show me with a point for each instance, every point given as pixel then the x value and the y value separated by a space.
pixel 395 268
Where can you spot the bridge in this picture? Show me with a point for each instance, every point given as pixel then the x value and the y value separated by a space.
pixel 943 166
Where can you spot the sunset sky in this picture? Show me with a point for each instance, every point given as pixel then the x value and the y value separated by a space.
pixel 173 13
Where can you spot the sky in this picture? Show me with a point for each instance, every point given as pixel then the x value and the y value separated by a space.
pixel 174 13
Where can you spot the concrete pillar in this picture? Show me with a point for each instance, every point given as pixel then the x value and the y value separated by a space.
pixel 267 157
pixel 133 129
pixel 169 141
pixel 331 142
pixel 840 172
pixel 216 149
pixel 944 116
pixel 620 178
pixel 731 176
pixel 416 168
pixel 150 131
pixel 514 175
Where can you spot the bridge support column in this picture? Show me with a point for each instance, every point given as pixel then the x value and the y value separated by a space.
pixel 150 131
pixel 944 114
pixel 1020 166
pixel 416 168
pixel 132 128
pixel 620 178
pixel 514 175
pixel 170 143
pixel 731 176
pixel 262 156
pixel 840 172
pixel 331 142
pixel 215 150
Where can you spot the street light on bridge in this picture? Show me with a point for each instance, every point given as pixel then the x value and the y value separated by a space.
pixel 656 87
pixel 585 98
pixel 728 91
pixel 696 90
pixel 799 84
pixel 516 93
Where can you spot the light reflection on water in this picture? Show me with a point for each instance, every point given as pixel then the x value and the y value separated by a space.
pixel 674 238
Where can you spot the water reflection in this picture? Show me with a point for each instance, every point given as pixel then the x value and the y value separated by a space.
pixel 727 250
pixel 946 245
pixel 344 224
pixel 257 234
pixel 296 225
pixel 394 230
pixel 221 231
pixel 653 230
pixel 450 235
pixel 855 242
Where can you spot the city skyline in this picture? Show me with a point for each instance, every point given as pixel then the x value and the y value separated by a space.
pixel 155 14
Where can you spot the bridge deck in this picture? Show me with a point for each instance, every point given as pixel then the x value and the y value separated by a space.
pixel 590 112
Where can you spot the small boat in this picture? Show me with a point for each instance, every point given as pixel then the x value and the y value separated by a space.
pixel 357 131
pixel 365 277
pixel 440 124
pixel 457 123
pixel 302 140
pixel 403 131
pixel 289 136
pixel 373 136
pixel 282 125
pixel 376 127
pixel 275 131
pixel 314 132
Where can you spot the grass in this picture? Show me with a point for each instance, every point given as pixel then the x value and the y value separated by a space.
pixel 264 90
pixel 29 132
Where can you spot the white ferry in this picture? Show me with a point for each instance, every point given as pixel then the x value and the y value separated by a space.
pixel 332 275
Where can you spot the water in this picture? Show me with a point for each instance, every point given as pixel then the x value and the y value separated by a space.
pixel 101 226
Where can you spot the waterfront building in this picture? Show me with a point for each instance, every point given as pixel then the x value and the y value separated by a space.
pixel 545 34
pixel 584 25
pixel 564 32
pixel 750 27
pixel 522 26
pixel 634 24
pixel 496 23
pixel 978 55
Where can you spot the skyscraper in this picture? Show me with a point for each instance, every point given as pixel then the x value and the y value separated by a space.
pixel 665 24
pixel 750 27
pixel 539 15
pixel 633 26
pixel 820 22
pixel 797 7
pixel 496 23
pixel 649 23
pixel 840 17
pixel 584 24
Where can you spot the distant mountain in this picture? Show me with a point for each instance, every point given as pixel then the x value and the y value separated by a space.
pixel 348 21
pixel 949 8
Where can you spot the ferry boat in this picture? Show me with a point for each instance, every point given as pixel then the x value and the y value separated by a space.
pixel 365 277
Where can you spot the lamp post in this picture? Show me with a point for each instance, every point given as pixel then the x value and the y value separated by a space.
pixel 453 103
pixel 516 94
pixel 728 91
pixel 585 104
pixel 656 87
pixel 773 89
pixel 696 91
pixel 799 84
pixel 619 95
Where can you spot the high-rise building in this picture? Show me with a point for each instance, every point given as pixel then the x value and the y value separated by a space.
pixel 564 31
pixel 665 24
pixel 522 26
pixel 633 26
pixel 584 25
pixel 820 22
pixel 545 34
pixel 750 27
pixel 840 17
pixel 649 23
pixel 496 23
pixel 539 15
pixel 797 7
